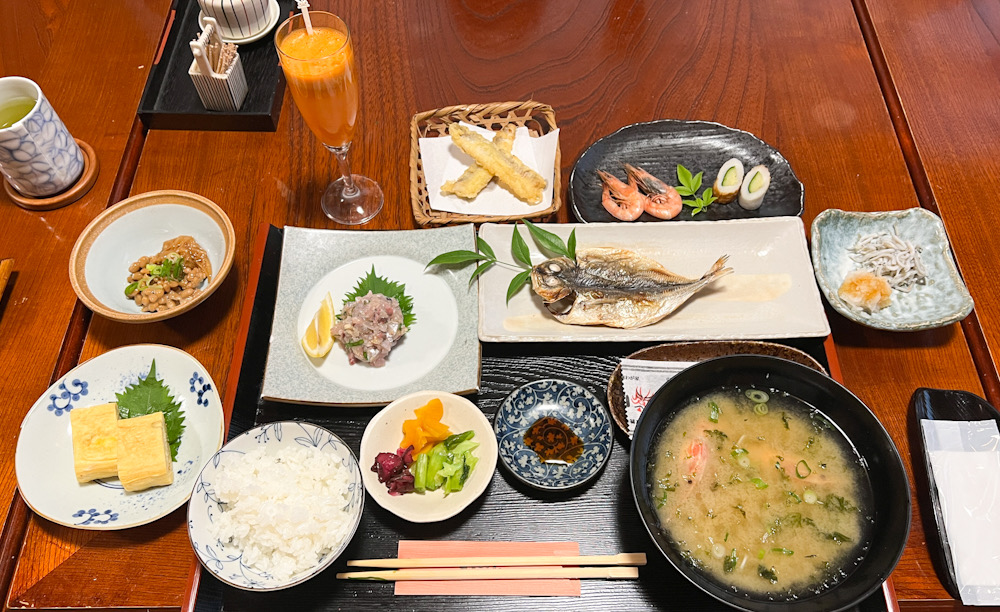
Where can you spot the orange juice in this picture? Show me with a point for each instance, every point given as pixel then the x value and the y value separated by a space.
pixel 319 69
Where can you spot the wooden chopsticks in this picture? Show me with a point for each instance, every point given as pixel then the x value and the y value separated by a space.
pixel 500 568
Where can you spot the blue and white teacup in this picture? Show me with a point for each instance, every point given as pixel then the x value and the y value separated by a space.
pixel 38 156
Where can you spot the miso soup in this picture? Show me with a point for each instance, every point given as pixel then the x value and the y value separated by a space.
pixel 762 493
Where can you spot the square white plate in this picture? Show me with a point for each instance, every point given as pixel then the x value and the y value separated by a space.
pixel 439 352
pixel 771 294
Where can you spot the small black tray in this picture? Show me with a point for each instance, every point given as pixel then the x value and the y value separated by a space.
pixel 170 101
pixel 600 515
pixel 940 405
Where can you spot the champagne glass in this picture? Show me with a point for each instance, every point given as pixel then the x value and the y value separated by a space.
pixel 320 71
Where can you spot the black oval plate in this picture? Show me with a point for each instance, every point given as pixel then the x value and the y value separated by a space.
pixel 700 146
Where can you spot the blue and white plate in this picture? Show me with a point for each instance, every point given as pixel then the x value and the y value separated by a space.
pixel 577 408
pixel 224 559
pixel 44 457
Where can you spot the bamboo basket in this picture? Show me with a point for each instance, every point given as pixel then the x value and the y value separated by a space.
pixel 538 118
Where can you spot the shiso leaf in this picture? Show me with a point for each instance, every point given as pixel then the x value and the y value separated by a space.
pixel 150 395
pixel 390 289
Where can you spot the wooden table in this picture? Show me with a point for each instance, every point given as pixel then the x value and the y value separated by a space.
pixel 797 73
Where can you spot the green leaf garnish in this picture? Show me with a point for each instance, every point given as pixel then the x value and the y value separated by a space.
pixel 150 395
pixel 517 282
pixel 390 289
pixel 456 257
pixel 547 240
pixel 699 204
pixel 485 248
pixel 519 249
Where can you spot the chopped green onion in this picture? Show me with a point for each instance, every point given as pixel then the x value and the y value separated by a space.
pixel 783 551
pixel 794 496
pixel 714 412
pixel 757 482
pixel 761 553
pixel 810 497
pixel 131 289
pixel 756 396
pixel 760 409
pixel 730 563
pixel 802 469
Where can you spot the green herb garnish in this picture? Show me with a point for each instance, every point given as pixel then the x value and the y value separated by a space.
pixel 546 241
pixel 390 289
pixel 689 186
pixel 150 395
pixel 172 268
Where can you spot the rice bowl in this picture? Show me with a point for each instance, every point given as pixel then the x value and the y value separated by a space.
pixel 253 519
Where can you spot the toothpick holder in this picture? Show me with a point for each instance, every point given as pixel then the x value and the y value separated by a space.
pixel 223 91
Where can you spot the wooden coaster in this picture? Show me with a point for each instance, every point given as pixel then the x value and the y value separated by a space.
pixel 87 179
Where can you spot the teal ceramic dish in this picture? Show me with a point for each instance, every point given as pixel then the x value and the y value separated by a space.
pixel 943 300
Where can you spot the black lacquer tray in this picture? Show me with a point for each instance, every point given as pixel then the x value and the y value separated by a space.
pixel 700 146
pixel 601 516
pixel 170 101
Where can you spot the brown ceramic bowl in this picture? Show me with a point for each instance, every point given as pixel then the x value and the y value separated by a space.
pixel 694 352
pixel 137 226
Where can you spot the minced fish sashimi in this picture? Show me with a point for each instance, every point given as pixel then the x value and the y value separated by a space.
pixel 284 512
pixel 369 327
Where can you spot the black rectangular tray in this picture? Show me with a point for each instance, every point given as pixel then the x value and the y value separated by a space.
pixel 602 516
pixel 170 101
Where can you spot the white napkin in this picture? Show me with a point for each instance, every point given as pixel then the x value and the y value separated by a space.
pixel 965 465
pixel 443 161
pixel 641 379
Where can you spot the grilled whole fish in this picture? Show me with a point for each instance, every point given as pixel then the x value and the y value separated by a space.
pixel 615 287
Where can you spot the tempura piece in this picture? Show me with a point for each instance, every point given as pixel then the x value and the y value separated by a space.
pixel 512 174
pixel 475 178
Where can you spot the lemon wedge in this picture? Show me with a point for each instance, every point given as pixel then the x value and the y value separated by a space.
pixel 317 340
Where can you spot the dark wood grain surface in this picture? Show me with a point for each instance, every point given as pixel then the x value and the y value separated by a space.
pixel 91 60
pixel 797 73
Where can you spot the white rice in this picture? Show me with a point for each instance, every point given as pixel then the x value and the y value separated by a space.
pixel 285 512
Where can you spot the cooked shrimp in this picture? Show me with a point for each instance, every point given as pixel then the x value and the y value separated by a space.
pixel 623 201
pixel 663 202
pixel 694 460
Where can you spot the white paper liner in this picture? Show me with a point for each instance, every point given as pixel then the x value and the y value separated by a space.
pixel 641 379
pixel 965 470
pixel 444 161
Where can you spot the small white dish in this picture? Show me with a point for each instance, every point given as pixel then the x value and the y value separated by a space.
pixel 138 226
pixel 943 300
pixel 385 432
pixel 224 560
pixel 770 294
pixel 43 460
pixel 273 15
pixel 441 350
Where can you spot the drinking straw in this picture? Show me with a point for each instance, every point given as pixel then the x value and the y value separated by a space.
pixel 304 7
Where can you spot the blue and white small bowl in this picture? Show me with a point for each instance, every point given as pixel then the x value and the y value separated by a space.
pixel 225 560
pixel 577 408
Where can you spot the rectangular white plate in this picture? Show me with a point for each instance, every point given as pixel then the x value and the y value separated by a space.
pixel 771 294
pixel 439 352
